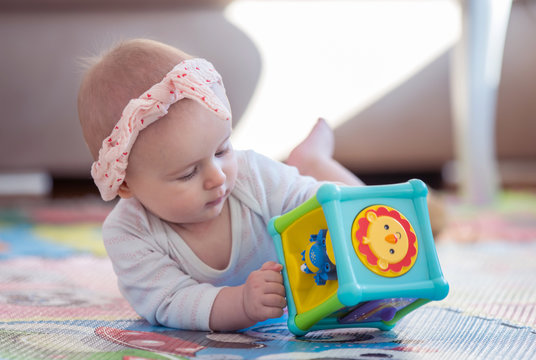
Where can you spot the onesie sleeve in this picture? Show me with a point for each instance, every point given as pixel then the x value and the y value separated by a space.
pixel 151 281
pixel 279 188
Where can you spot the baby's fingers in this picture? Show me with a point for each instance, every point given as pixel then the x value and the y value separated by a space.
pixel 274 301
pixel 272 277
pixel 269 313
pixel 275 288
pixel 273 312
pixel 272 265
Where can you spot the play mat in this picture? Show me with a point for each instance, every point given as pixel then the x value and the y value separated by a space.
pixel 59 300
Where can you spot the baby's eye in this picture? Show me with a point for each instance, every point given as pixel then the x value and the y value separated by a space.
pixel 222 152
pixel 188 176
pixel 386 227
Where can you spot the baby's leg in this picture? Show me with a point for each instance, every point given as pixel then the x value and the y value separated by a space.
pixel 314 157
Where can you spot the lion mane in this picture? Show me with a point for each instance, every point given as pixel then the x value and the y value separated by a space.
pixel 365 249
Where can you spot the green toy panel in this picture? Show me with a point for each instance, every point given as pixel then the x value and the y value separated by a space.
pixel 295 238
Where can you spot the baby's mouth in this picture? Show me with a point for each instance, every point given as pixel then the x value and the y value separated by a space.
pixel 218 200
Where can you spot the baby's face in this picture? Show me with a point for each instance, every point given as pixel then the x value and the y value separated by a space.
pixel 183 167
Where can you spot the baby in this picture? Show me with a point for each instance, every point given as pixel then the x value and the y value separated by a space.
pixel 188 237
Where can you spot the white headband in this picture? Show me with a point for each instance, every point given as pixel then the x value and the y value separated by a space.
pixel 193 79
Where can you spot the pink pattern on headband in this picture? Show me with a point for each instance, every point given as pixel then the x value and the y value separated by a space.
pixel 193 79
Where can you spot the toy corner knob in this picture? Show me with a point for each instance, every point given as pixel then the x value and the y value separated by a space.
pixel 441 288
pixel 419 187
pixel 328 192
pixel 272 230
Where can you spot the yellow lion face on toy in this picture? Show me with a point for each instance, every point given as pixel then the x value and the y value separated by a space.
pixel 387 239
pixel 384 240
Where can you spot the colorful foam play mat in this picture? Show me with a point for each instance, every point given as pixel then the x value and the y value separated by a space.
pixel 59 299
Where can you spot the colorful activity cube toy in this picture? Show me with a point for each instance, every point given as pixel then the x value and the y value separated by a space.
pixel 358 257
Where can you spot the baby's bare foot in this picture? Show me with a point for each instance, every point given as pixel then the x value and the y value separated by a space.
pixel 319 143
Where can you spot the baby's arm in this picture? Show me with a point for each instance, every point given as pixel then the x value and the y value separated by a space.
pixel 261 297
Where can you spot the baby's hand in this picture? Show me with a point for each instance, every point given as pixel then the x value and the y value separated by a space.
pixel 264 293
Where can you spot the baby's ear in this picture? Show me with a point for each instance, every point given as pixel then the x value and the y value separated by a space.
pixel 124 191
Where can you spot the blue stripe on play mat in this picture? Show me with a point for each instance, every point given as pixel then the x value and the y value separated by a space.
pixel 21 240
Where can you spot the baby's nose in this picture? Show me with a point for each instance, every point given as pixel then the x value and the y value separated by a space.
pixel 216 177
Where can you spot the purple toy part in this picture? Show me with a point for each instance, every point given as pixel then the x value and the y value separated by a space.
pixel 375 310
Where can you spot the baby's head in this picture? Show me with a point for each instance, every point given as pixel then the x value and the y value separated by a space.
pixel 166 115
pixel 122 74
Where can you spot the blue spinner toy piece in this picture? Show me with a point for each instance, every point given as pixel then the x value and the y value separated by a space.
pixel 316 259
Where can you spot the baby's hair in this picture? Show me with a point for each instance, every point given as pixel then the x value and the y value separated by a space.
pixel 125 72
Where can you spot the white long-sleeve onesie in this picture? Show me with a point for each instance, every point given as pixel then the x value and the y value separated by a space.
pixel 163 279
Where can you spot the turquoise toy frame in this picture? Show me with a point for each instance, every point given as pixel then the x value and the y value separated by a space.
pixel 357 284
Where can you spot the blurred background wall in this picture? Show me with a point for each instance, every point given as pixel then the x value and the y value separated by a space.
pixel 377 70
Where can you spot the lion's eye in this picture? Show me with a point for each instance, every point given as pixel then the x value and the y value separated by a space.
pixel 386 227
pixel 391 251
